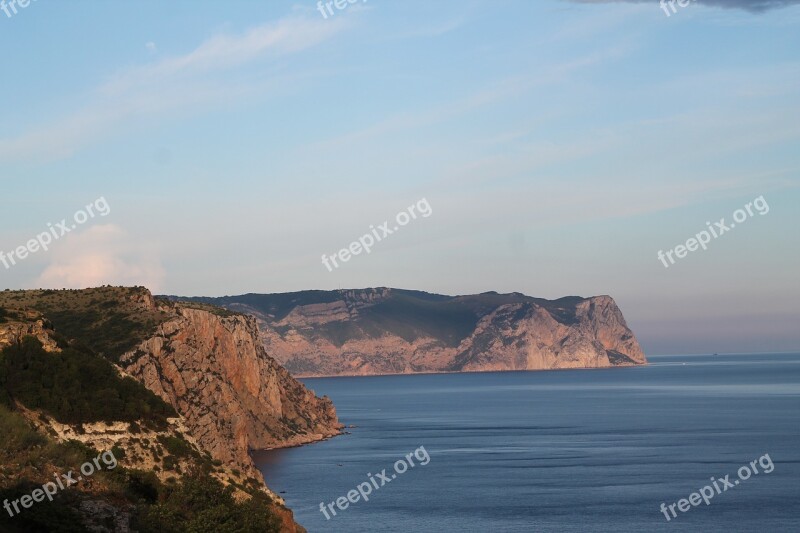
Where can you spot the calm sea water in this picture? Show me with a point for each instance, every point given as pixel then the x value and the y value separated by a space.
pixel 572 451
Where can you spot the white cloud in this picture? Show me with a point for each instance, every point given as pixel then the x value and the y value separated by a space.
pixel 102 255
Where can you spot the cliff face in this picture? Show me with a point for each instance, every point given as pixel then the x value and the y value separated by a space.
pixel 208 363
pixel 525 336
pixel 383 331
pixel 235 398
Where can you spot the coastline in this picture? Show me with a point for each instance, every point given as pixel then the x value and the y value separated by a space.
pixel 301 442
pixel 428 372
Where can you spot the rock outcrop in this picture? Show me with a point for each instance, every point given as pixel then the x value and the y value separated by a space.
pixel 233 396
pixel 526 336
pixel 390 331
pixel 19 323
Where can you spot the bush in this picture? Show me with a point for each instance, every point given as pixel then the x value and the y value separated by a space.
pixel 118 452
pixel 170 463
pixel 16 434
pixel 200 503
pixel 176 446
pixel 75 386
pixel 55 516
pixel 143 486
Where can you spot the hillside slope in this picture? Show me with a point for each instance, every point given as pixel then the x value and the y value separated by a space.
pixel 182 392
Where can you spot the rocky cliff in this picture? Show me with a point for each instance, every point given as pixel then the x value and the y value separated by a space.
pixel 383 331
pixel 526 336
pixel 214 370
pixel 123 356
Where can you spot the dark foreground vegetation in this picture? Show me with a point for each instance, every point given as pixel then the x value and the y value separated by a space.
pixel 76 386
pixel 195 503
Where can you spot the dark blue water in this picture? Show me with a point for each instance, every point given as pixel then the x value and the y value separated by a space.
pixel 572 451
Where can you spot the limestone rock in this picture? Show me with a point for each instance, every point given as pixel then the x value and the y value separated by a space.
pixel 233 397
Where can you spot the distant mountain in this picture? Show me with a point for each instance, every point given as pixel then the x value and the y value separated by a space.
pixel 389 331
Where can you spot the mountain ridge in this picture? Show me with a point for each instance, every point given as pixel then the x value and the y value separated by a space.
pixel 376 331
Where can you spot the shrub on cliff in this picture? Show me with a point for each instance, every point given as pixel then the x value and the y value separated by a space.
pixel 200 503
pixel 175 445
pixel 75 386
pixel 21 445
pixel 197 503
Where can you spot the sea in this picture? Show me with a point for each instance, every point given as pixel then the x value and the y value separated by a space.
pixel 556 451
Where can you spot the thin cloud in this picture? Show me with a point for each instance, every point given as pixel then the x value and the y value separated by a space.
pixel 222 52
pixel 170 84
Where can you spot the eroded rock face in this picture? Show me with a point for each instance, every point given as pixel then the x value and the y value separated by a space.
pixel 528 337
pixel 235 398
pixel 387 331
pixel 27 323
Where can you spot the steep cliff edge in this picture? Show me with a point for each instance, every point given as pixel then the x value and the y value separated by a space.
pixel 63 404
pixel 526 336
pixel 215 372
pixel 386 331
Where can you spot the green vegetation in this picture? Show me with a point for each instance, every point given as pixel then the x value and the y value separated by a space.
pixel 213 309
pixel 75 386
pixel 195 503
pixel 108 320
pixel 408 314
pixel 175 445
pixel 200 503
pixel 22 446
pixel 53 517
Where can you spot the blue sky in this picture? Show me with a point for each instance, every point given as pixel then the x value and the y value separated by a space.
pixel 560 145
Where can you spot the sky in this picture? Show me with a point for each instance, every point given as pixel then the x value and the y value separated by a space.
pixel 551 148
